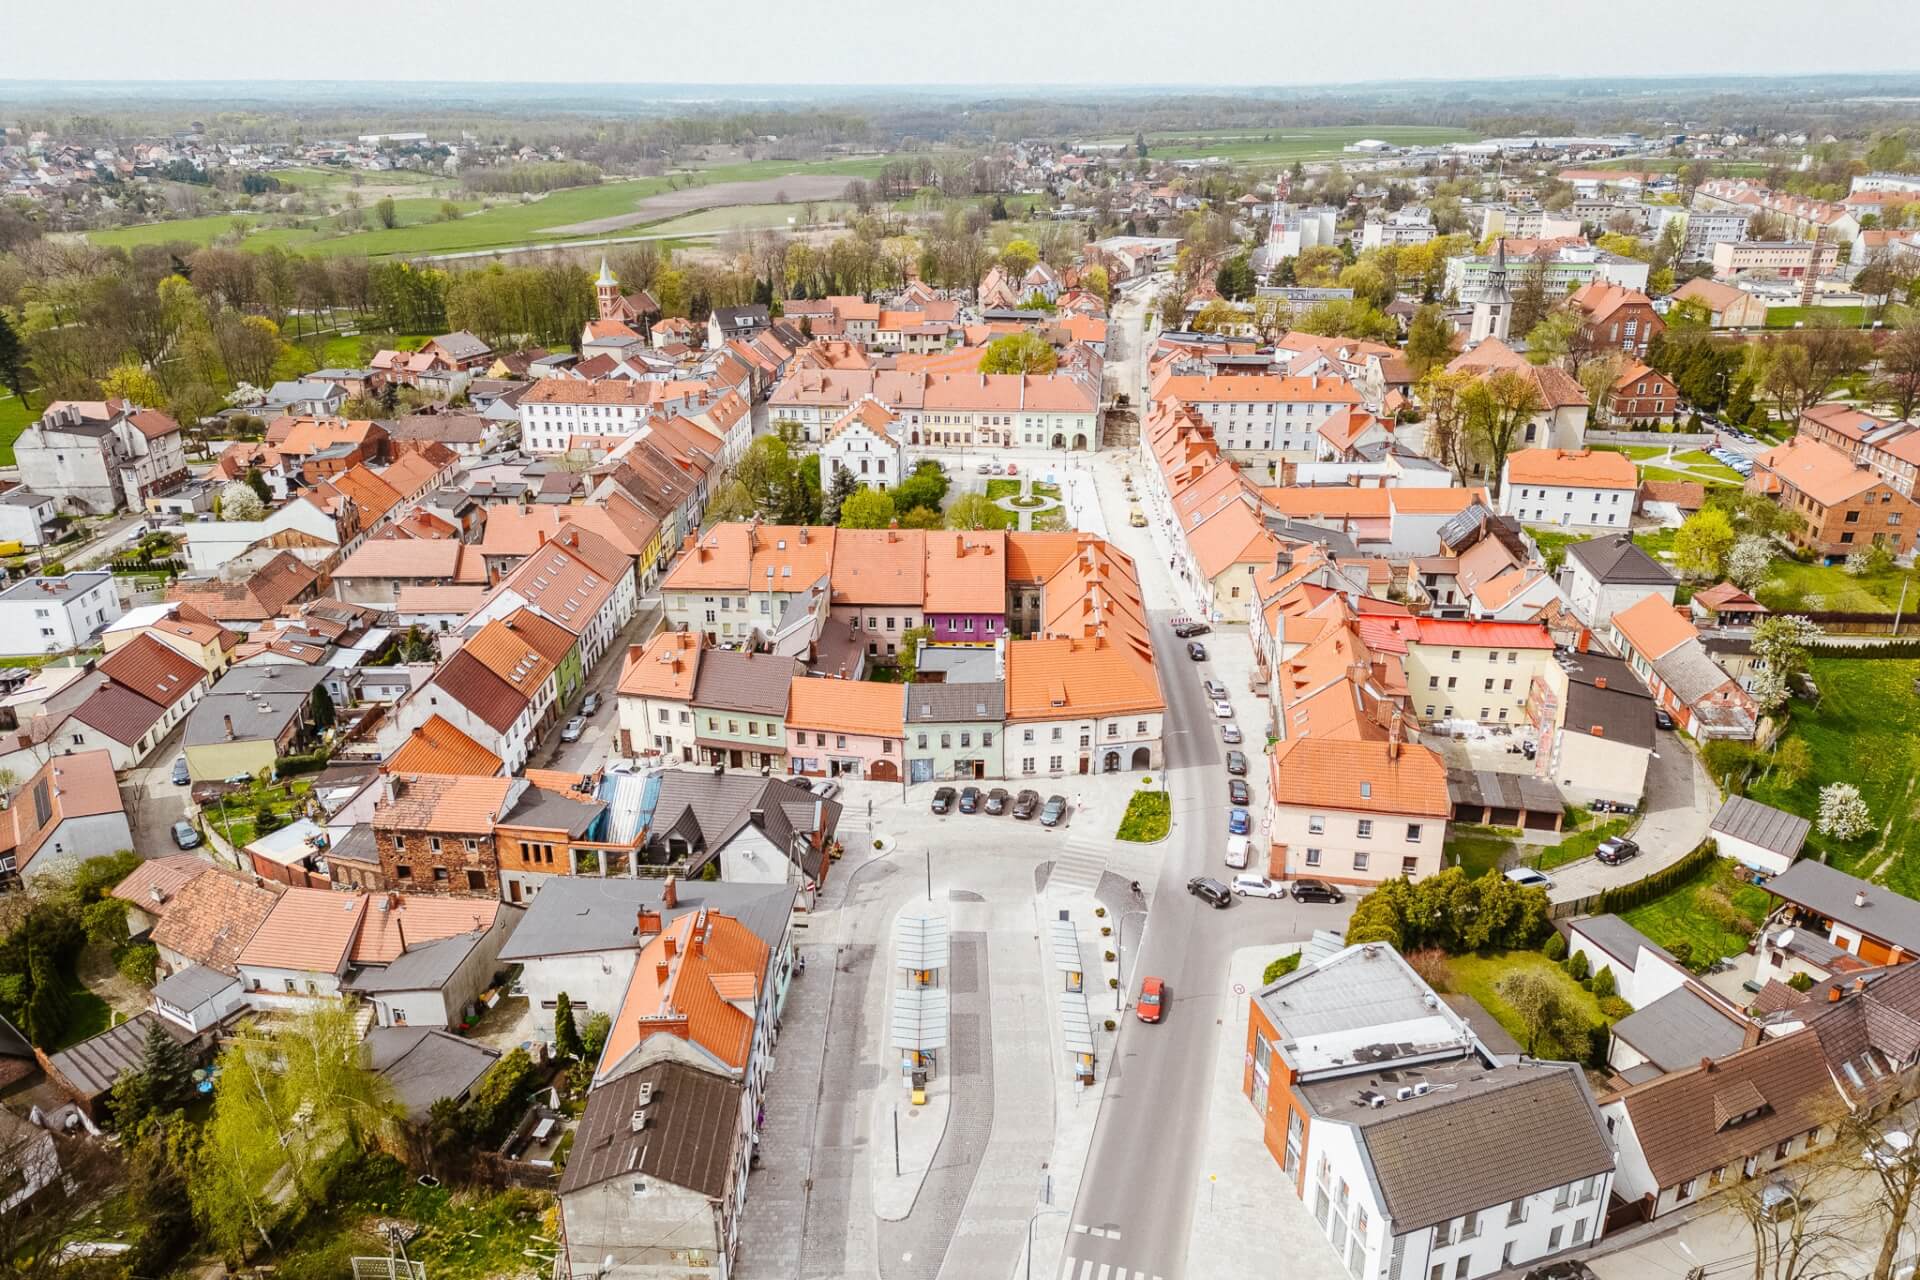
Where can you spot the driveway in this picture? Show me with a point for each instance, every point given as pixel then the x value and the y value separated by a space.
pixel 1681 801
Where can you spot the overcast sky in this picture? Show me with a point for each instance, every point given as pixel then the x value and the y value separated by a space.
pixel 938 42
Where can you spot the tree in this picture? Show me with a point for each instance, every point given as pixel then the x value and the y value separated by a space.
pixel 164 1082
pixel 1843 813
pixel 1444 394
pixel 974 511
pixel 1023 352
pixel 13 359
pixel 1355 319
pixel 1318 266
pixel 566 1034
pixel 867 509
pixel 1701 547
pixel 1897 385
pixel 844 485
pixel 1430 339
pixel 1095 281
pixel 1781 640
pixel 925 486
pixel 1497 407
pixel 106 922
pixel 1805 1233
pixel 387 212
pixel 1805 363
pixel 1550 1020
pixel 1792 761
pixel 732 502
pixel 1598 378
pixel 1018 257
pixel 921 518
pixel 1750 562
pixel 320 706
pixel 1531 301
pixel 1235 279
pixel 907 662
pixel 130 381
pixel 1869 560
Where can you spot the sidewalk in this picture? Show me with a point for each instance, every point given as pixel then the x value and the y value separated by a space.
pixel 1243 1184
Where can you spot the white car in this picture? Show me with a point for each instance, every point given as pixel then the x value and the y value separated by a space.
pixel 1258 887
pixel 1222 710
pixel 1238 848
pixel 1528 877
pixel 1889 1150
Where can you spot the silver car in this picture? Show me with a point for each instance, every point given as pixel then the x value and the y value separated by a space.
pixel 574 728
pixel 1251 886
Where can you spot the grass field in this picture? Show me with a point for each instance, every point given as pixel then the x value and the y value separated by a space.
pixel 1286 145
pixel 1149 816
pixel 89 1015
pixel 1822 587
pixel 1711 474
pixel 1709 916
pixel 1479 976
pixel 1787 317
pixel 14 417
pixel 1478 850
pixel 1866 730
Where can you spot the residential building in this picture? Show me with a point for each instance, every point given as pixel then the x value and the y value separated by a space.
pixel 850 727
pixel 1561 421
pixel 98 456
pixel 1616 318
pixel 878 587
pixel 1727 307
pixel 1259 419
pixel 180 627
pixel 735 581
pixel 966 601
pixel 1641 395
pixel 435 834
pixel 1058 410
pixel 655 698
pixel 382 568
pixel 1782 259
pixel 27 517
pixel 1362 1077
pixel 727 323
pixel 1611 573
pixel 1890 447
pixel 127 705
pixel 424 962
pixel 1593 723
pixel 954 730
pixel 1664 650
pixel 1844 504
pixel 1357 811
pixel 741 706
pixel 865 442
pixel 249 719
pixel 1565 265
pixel 247 600
pixel 42 615
pixel 1475 671
pixel 1586 488
pixel 211 919
pixel 461 351
pixel 558 826
pixel 1869 922
pixel 68 811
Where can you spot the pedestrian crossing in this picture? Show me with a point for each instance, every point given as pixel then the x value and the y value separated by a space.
pixel 1088 1269
pixel 1077 867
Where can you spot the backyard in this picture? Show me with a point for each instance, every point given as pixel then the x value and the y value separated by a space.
pixel 1479 975
pixel 1793 586
pixel 1707 917
pixel 14 417
pixel 235 815
pixel 1865 730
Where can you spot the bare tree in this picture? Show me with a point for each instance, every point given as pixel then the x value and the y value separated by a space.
pixel 1803 1220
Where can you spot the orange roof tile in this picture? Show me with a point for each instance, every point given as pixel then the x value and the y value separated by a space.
pixel 1367 776
pixel 691 981
pixel 438 747
pixel 880 566
pixel 394 924
pixel 1581 469
pixel 1818 470
pixel 307 929
pixel 442 803
pixel 967 571
pixel 874 708
pixel 1035 557
pixel 511 657
pixel 1653 627
pixel 665 667
pixel 1230 537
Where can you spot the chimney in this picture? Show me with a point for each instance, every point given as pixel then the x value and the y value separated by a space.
pixel 649 922
pixel 672 946
pixel 1859 984
pixel 661 971
pixel 1393 735
pixel 1598 731
pixel 1584 641
pixel 1706 1065
pixel 697 939
pixel 1599 682
pixel 1860 897
pixel 228 721
pixel 1750 1035
pixel 670 893
pixel 803 535
pixel 1833 995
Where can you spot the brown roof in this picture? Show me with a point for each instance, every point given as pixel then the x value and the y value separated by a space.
pixel 310 929
pixel 213 918
pixel 467 681
pixel 261 595
pixel 438 747
pixel 156 671
pixel 117 711
pixel 79 785
pixel 394 924
pixel 154 884
pixel 434 802
pixel 1689 1122
pixel 733 680
pixel 1687 495
pixel 687 1141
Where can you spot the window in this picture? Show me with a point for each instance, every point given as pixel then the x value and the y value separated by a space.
pixel 1580 1231
pixel 840 741
pixel 433 844
pixel 1460 1265
pixel 1053 763
pixel 1453 682
pixel 1517 1212
pixel 1553 1239
pixel 1433 682
pixel 1715 1178
pixel 922 744
pixel 946 741
pixel 1313 857
pixel 399 843
pixel 1360 861
pixel 986 739
pixel 1316 824
pixel 1686 1189
pixel 1409 867
pixel 1489 688
pixel 1140 726
pixel 477 881
pixel 1365 830
pixel 1782 1151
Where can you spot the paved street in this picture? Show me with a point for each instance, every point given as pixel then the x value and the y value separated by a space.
pixel 597 742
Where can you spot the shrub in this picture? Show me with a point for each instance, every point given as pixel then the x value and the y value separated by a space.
pixel 137 963
pixel 1683 952
pixel 1280 968
pixel 1556 948
pixel 1604 983
pixel 1578 967
pixel 1728 762
pixel 1614 1008
pixel 1629 896
pixel 1108 1024
pixel 1431 964
pixel 1109 957
pixel 1801 982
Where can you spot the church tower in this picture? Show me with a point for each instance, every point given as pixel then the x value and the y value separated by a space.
pixel 1493 303
pixel 607 290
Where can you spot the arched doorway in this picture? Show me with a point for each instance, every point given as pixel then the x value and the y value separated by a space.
pixel 882 771
pixel 1142 758
pixel 1059 440
pixel 1110 763
pixel 1080 440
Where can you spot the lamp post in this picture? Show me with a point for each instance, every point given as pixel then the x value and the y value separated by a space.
pixel 1037 1215
pixel 1120 959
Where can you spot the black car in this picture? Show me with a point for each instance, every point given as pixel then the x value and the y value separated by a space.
pixel 1025 804
pixel 1236 762
pixel 1616 850
pixel 997 800
pixel 943 800
pixel 1186 628
pixel 970 800
pixel 1196 651
pixel 1237 792
pixel 1056 809
pixel 1315 891
pixel 1210 891
pixel 1662 719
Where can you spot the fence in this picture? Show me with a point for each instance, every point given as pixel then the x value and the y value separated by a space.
pixel 1624 897
pixel 1657 439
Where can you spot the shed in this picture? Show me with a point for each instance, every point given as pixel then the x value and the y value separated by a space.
pixel 1758 835
pixel 1505 799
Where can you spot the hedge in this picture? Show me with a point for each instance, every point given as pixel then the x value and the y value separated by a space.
pixel 293 766
pixel 1659 884
pixel 1902 648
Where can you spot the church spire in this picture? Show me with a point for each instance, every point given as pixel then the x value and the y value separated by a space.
pixel 606 280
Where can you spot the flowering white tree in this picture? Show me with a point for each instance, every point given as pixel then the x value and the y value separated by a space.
pixel 1769 690
pixel 1750 561
pixel 1843 814
pixel 238 501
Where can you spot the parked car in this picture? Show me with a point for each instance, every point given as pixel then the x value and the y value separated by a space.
pixel 1238 792
pixel 983 468
pixel 1258 887
pixel 1055 810
pixel 1239 848
pixel 825 788
pixel 1215 690
pixel 185 836
pixel 969 799
pixel 180 775
pixel 1137 518
pixel 1025 804
pixel 1239 822
pixel 1189 627
pixel 1013 468
pixel 1237 762
pixel 997 801
pixel 1230 733
pixel 1315 891
pixel 1528 877
pixel 1153 994
pixel 1196 651
pixel 1616 850
pixel 589 704
pixel 1209 890
pixel 1222 710
pixel 1889 1149
pixel 1662 719
pixel 574 728
pixel 943 800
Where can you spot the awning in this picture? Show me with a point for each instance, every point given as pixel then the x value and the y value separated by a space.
pixel 920 1018
pixel 920 941
pixel 1076 1023
pixel 1066 947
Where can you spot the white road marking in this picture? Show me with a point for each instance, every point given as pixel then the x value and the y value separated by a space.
pixel 1104 1268
pixel 1081 1227
pixel 1086 1268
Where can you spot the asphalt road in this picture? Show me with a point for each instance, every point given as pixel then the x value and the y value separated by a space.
pixel 597 742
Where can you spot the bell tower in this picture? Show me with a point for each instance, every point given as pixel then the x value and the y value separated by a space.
pixel 607 290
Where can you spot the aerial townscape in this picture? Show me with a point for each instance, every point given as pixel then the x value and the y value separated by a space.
pixel 870 644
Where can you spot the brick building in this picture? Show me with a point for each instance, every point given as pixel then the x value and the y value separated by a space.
pixel 1844 504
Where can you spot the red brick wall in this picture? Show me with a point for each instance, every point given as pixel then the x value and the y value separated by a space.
pixel 450 872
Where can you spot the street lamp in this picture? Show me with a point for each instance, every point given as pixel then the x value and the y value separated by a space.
pixel 1037 1215
pixel 1120 959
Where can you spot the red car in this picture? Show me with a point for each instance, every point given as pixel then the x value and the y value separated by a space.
pixel 1153 995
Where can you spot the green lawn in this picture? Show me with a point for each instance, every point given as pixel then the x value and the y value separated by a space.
pixel 1285 145
pixel 89 1015
pixel 1866 731
pixel 1711 474
pixel 1793 585
pixel 1479 976
pixel 1709 916
pixel 1579 845
pixel 1052 520
pixel 1149 817
pixel 14 417
pixel 1477 849
pixel 1787 317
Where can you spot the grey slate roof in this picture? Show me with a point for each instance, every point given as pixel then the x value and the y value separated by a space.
pixel 94 1064
pixel 425 1064
pixel 192 986
pixel 756 684
pixel 708 810
pixel 1616 558
pixel 549 810
pixel 573 915
pixel 1761 824
pixel 688 1141
pixel 1620 713
pixel 423 968
pixel 40 588
pixel 1690 672
pixel 956 703
pixel 1503 790
pixel 1681 1028
pixel 1826 892
pixel 1617 938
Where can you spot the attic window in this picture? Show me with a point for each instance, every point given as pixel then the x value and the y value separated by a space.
pixel 1366 789
pixel 1737 1104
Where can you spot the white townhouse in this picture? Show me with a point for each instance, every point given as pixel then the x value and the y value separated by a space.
pixel 1582 488
pixel 51 615
pixel 1263 417
pixel 866 442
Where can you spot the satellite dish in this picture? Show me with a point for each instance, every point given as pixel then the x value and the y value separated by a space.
pixel 1785 939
